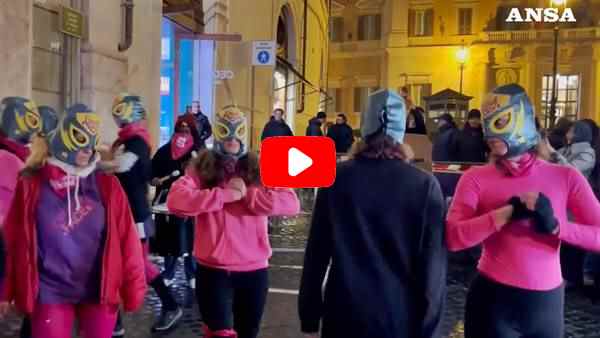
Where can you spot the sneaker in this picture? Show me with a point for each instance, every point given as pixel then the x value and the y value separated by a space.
pixel 169 282
pixel 168 319
pixel 192 283
pixel 119 330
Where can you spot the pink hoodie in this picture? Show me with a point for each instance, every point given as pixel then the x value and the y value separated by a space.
pixel 11 166
pixel 230 235
pixel 517 255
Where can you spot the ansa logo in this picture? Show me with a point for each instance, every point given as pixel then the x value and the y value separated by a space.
pixel 540 15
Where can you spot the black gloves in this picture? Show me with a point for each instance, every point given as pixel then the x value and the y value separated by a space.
pixel 520 211
pixel 543 215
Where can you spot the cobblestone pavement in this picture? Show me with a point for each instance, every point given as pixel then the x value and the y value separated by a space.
pixel 280 321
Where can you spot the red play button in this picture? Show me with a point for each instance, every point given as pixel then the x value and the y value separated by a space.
pixel 297 162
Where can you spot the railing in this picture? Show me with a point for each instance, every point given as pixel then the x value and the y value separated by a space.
pixel 355 46
pixel 541 35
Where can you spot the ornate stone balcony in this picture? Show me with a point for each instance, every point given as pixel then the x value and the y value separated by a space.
pixel 589 33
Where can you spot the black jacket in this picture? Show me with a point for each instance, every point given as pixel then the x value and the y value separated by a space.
pixel 342 135
pixel 381 225
pixel 276 128
pixel 204 131
pixel 470 146
pixel 171 235
pixel 314 127
pixel 445 145
pixel 135 181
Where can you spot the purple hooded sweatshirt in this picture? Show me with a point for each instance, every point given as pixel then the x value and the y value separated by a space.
pixel 70 244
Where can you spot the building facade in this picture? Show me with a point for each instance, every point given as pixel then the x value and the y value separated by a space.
pixel 180 51
pixel 418 43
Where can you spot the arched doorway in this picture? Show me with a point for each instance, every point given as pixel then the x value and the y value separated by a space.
pixel 284 87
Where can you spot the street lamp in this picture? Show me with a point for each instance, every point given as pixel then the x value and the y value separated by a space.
pixel 555 4
pixel 461 56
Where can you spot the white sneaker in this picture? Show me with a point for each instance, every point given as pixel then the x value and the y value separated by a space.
pixel 192 283
pixel 169 282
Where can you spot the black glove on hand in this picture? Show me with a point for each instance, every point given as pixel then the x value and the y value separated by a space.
pixel 544 219
pixel 520 211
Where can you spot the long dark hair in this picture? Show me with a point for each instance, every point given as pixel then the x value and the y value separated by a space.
pixel 383 147
pixel 210 167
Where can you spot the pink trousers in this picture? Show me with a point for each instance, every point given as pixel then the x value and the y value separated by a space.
pixel 57 320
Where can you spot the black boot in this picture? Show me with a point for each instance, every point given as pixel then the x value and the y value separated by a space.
pixel 26 328
pixel 119 330
pixel 171 311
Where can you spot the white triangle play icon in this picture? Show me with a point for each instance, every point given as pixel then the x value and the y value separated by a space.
pixel 298 162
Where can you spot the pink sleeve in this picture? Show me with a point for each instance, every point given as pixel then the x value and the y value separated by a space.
pixel 464 228
pixel 188 198
pixel 271 202
pixel 584 232
pixel 12 166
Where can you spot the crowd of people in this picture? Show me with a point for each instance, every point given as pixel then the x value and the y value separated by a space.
pixel 77 223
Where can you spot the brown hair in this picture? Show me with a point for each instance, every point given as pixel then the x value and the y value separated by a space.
pixel 383 147
pixel 210 168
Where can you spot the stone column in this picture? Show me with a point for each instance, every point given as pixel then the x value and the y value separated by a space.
pixel 16 39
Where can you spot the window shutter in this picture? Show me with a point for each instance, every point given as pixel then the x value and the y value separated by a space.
pixel 411 22
pixel 429 22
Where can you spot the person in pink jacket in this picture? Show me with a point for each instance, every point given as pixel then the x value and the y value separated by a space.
pixel 222 190
pixel 516 206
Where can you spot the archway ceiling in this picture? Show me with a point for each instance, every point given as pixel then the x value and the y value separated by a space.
pixel 186 13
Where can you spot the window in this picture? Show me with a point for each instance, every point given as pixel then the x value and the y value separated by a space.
pixel 336 29
pixel 361 97
pixel 567 104
pixel 369 27
pixel 335 100
pixel 465 16
pixel 420 22
pixel 417 93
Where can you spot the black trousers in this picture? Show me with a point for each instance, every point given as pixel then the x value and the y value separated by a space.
pixel 572 261
pixel 498 311
pixel 232 300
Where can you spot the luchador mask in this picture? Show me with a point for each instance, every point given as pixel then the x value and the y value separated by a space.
pixel 78 130
pixel 508 115
pixel 128 109
pixel 386 111
pixel 19 119
pixel 231 124
pixel 49 119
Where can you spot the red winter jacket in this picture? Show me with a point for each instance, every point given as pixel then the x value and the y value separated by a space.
pixel 123 281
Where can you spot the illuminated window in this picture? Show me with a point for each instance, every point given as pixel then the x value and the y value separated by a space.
pixel 369 27
pixel 567 103
pixel 420 22
pixel 465 18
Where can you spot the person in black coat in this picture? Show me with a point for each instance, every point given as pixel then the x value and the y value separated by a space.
pixel 174 236
pixel 415 122
pixel 202 129
pixel 314 125
pixel 341 134
pixel 444 145
pixel 276 126
pixel 471 146
pixel 380 230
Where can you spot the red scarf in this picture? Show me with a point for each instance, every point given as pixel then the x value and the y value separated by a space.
pixel 132 130
pixel 181 144
pixel 58 179
pixel 18 149
pixel 519 168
